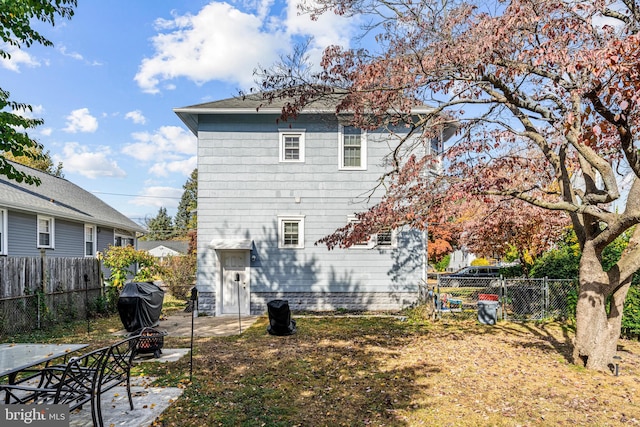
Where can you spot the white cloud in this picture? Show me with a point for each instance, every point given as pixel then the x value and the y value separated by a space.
pixel 328 29
pixel 184 167
pixel 166 143
pixel 74 55
pixel 91 164
pixel 136 117
pixel 157 196
pixel 219 43
pixel 222 42
pixel 81 120
pixel 18 58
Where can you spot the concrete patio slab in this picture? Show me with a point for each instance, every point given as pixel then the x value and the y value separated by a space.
pixel 148 402
pixel 179 325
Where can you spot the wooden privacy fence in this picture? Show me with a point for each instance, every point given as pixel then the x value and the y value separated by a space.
pixel 25 276
pixel 37 291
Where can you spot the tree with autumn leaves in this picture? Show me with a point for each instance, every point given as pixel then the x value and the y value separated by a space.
pixel 544 95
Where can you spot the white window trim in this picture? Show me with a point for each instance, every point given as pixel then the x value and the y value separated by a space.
pixel 52 234
pixel 122 237
pixel 296 132
pixel 370 243
pixel 394 240
pixel 363 150
pixel 94 237
pixel 291 218
pixel 4 240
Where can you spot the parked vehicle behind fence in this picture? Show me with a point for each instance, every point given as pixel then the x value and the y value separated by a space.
pixel 467 276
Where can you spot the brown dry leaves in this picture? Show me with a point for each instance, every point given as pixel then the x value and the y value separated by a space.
pixel 383 372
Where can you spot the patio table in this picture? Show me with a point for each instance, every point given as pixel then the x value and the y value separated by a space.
pixel 18 357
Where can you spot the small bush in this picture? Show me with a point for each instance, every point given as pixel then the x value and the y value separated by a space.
pixel 179 274
pixel 443 263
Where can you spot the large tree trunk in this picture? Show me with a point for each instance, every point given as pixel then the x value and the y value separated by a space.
pixel 598 315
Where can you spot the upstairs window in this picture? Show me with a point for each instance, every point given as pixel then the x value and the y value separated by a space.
pixel 353 148
pixel 46 236
pixel 292 145
pixel 291 232
pixel 90 240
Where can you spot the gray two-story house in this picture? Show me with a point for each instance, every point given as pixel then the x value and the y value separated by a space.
pixel 269 190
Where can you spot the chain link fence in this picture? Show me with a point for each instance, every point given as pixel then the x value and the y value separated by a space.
pixel 39 311
pixel 519 299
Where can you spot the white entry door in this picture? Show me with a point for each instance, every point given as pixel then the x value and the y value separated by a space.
pixel 235 282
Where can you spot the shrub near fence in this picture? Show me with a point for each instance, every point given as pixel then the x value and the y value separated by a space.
pixel 39 292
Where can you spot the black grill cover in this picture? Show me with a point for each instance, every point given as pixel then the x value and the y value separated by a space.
pixel 280 322
pixel 139 305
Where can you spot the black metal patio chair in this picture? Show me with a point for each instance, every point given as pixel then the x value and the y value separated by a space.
pixel 73 383
pixel 115 370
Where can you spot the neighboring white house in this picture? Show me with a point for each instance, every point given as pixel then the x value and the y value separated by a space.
pixel 268 191
pixel 460 258
pixel 164 248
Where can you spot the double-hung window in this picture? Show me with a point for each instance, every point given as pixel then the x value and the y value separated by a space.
pixel 291 231
pixel 46 236
pixel 353 148
pixel 90 239
pixel 3 232
pixel 292 145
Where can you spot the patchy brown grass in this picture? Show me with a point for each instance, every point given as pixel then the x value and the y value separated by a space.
pixel 371 371
pixel 377 371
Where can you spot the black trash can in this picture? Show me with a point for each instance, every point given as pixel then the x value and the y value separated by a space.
pixel 488 312
pixel 280 322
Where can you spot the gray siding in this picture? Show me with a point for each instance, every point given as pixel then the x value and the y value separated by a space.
pixel 69 237
pixel 21 234
pixel 105 238
pixel 243 188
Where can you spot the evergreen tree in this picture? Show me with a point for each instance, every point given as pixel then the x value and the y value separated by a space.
pixel 160 227
pixel 187 217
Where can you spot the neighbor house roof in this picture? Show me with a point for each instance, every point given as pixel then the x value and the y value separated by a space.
pixel 180 246
pixel 60 198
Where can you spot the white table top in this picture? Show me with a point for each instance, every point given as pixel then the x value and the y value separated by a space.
pixel 16 357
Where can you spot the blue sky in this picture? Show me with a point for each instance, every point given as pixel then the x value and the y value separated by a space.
pixel 108 87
